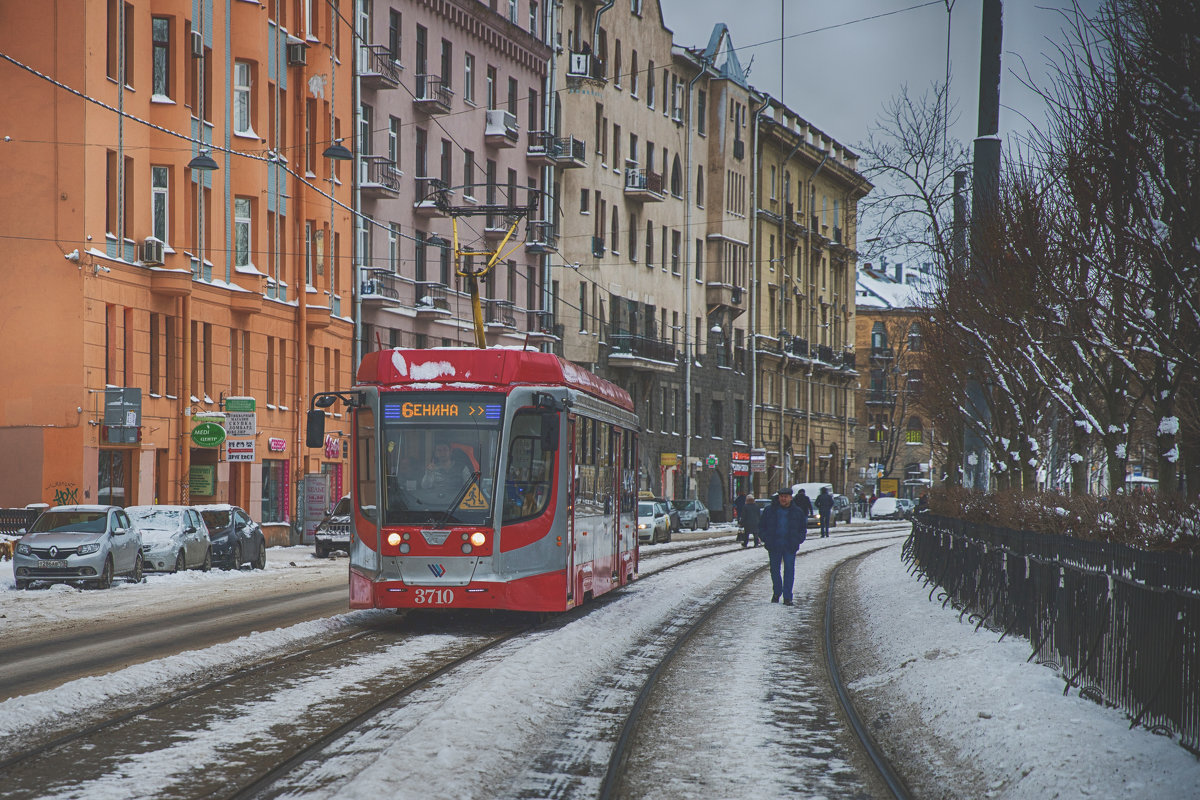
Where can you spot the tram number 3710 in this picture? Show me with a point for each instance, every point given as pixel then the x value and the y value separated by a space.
pixel 434 597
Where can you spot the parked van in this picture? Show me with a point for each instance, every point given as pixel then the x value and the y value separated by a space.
pixel 811 490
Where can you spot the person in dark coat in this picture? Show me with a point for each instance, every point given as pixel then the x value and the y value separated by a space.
pixel 782 529
pixel 750 518
pixel 805 503
pixel 824 504
pixel 739 505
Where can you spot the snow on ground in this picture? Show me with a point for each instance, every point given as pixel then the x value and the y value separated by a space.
pixel 966 693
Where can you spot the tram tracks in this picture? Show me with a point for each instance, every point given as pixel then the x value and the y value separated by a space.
pixel 262 775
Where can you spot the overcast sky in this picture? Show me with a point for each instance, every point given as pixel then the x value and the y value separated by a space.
pixel 839 79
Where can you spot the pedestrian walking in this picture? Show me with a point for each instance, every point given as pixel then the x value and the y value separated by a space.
pixel 739 505
pixel 824 504
pixel 806 506
pixel 750 519
pixel 782 529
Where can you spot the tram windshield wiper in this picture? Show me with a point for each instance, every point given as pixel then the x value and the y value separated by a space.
pixel 457 499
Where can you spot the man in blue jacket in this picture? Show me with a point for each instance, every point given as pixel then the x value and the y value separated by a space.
pixel 782 530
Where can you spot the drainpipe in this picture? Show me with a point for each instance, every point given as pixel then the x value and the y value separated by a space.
pixel 687 281
pixel 356 202
pixel 550 198
pixel 812 200
pixel 754 284
pixel 596 28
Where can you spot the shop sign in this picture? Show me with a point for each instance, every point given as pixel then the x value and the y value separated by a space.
pixel 333 447
pixel 239 450
pixel 668 459
pixel 711 461
pixel 208 434
pixel 739 462
pixel 202 479
pixel 276 445
pixel 758 460
pixel 241 424
pixel 240 404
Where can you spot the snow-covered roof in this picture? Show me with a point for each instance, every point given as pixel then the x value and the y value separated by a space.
pixel 875 289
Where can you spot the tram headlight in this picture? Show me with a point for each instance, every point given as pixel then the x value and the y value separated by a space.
pixel 393 539
pixel 478 539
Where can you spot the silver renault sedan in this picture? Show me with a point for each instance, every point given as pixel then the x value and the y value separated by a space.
pixel 79 544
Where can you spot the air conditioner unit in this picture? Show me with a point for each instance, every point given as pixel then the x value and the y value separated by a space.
pixel 297 54
pixel 152 251
pixel 197 44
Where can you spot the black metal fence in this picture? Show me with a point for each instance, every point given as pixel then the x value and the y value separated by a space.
pixel 12 520
pixel 1120 625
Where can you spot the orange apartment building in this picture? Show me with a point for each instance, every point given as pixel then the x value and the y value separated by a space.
pixel 140 289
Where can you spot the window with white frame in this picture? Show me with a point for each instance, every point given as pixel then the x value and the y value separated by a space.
pixel 243 123
pixel 160 201
pixel 393 150
pixel 161 35
pixel 394 247
pixel 533 18
pixel 243 224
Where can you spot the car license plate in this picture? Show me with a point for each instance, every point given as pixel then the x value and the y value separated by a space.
pixel 52 565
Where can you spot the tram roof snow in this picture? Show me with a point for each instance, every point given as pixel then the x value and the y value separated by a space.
pixel 500 367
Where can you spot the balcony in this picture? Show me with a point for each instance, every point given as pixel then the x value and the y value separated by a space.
pixel 251 300
pixel 882 354
pixel 849 360
pixel 642 184
pixel 170 282
pixel 797 346
pixel 598 246
pixel 541 325
pixel 540 237
pixel 564 151
pixel 431 297
pixel 316 316
pixel 825 354
pixel 882 397
pixel 433 96
pixel 500 128
pixel 723 295
pixel 431 198
pixel 377 68
pixel 380 289
pixel 495 227
pixel 499 314
pixel 644 353
pixel 380 178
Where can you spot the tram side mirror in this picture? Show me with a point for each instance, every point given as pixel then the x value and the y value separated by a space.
pixel 550 432
pixel 314 429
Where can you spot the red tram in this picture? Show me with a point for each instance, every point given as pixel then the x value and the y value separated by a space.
pixel 495 478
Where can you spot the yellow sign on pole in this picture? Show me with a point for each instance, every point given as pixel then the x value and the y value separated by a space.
pixel 889 486
pixel 668 459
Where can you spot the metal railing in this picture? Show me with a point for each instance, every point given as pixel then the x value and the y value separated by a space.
pixel 381 171
pixel 433 89
pixel 381 284
pixel 1120 625
pixel 641 346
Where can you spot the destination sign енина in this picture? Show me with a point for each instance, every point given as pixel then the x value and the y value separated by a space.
pixel 412 410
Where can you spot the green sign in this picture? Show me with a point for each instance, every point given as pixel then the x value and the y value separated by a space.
pixel 202 479
pixel 208 434
pixel 237 404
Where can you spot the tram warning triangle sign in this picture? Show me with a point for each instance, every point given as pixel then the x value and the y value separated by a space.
pixel 474 501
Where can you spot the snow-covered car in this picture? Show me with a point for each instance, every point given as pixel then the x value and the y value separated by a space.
pixel 79 544
pixel 692 514
pixel 653 522
pixel 841 509
pixel 907 507
pixel 236 539
pixel 333 532
pixel 885 508
pixel 174 538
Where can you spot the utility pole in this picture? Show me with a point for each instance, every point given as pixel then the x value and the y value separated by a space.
pixel 985 193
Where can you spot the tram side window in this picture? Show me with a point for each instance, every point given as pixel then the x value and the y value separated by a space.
pixel 628 473
pixel 368 475
pixel 604 470
pixel 529 475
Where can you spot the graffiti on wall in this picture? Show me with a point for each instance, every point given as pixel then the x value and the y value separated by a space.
pixel 62 493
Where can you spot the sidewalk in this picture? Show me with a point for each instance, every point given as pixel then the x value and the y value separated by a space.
pixel 963 715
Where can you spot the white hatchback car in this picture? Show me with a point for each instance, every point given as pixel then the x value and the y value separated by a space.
pixel 174 538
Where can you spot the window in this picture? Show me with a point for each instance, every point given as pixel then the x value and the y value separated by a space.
pixel 243 123
pixel 491 87
pixel 633 75
pixel 701 112
pixel 394 26
pixel 617 64
pixel 447 62
pixel 393 151
pixel 160 203
pixel 650 85
pixel 242 224
pixel 915 434
pixel 528 477
pixel 878 336
pixel 584 201
pixel 914 337
pixel 161 34
pixel 394 247
pixel 676 244
pixel 533 18
pixel 275 486
pixel 512 96
pixel 468 173
pixel 469 78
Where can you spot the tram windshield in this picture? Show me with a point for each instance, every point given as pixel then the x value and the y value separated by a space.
pixel 439 452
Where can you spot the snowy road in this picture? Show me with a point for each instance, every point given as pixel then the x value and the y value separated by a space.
pixel 500 726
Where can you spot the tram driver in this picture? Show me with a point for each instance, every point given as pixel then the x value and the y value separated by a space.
pixel 447 471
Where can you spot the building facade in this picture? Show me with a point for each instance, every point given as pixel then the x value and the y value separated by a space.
pixel 167 187
pixel 805 362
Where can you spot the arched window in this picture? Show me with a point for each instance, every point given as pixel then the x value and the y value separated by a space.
pixel 915 433
pixel 676 177
pixel 878 336
pixel 700 187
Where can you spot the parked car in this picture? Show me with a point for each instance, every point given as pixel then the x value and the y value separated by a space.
pixel 885 508
pixel 333 532
pixel 236 539
pixel 654 524
pixel 87 544
pixel 811 490
pixel 174 538
pixel 674 522
pixel 907 507
pixel 841 509
pixel 692 514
